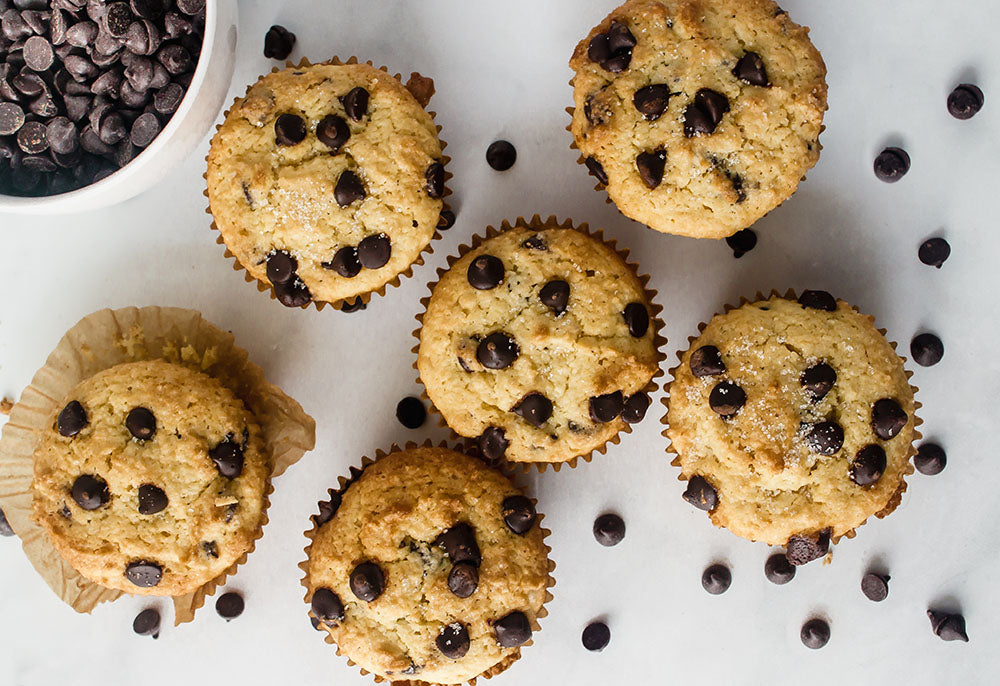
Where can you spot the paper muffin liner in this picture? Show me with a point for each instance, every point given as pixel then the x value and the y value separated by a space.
pixel 344 482
pixel 102 340
pixel 360 300
pixel 537 223
pixel 790 294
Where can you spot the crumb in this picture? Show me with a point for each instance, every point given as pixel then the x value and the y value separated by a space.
pixel 421 87
pixel 6 405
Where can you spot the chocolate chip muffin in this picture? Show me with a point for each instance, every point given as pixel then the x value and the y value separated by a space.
pixel 151 478
pixel 793 422
pixel 326 181
pixel 428 565
pixel 698 117
pixel 540 342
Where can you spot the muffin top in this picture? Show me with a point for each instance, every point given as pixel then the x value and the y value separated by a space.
pixel 540 343
pixel 326 181
pixel 699 117
pixel 792 420
pixel 151 478
pixel 429 566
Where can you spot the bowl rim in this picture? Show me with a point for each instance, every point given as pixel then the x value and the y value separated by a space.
pixel 13 202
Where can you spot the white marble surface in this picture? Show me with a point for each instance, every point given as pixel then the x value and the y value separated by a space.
pixel 501 71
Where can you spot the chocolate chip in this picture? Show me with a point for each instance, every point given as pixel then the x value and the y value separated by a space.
pixel 332 131
pixel 356 103
pixel 803 548
pixel 292 294
pixel 117 17
pixel 485 272
pixel 535 243
pixel 612 50
pixel 701 493
pixel 141 423
pixel 934 252
pixel 888 418
pixel 72 419
pixel 463 579
pixel 743 241
pixel 11 118
pixel 374 251
pixel 926 349
pixel 727 398
pixel 519 514
pixel 650 165
pixel 5 528
pixel 875 586
pixel 620 38
pixel 596 637
pixel 355 305
pixel 493 443
pixel 930 459
pixel 446 220
pixel 825 438
pixel 278 43
pixel 152 499
pixel 609 529
pixel 289 129
pixel 168 98
pixel 512 630
pixel 411 413
pixel 349 188
pixel 597 170
pixel 750 69
pixel 868 465
pixel 142 38
pixel 637 319
pixel 555 296
pixel 175 58
pixel 281 266
pixel 459 542
pixel 497 351
pixel 191 7
pixel 534 408
pixel 815 633
pixel 32 138
pixel 501 155
pixel 90 492
pixel 606 408
pixel 210 548
pixel 82 34
pixel 948 626
pixel 635 408
pixel 229 605
pixel 778 570
pixel 965 101
pixel 345 262
pixel 818 300
pixel 147 623
pixel 228 458
pixel 367 581
pixel 706 361
pixel 143 573
pixel 891 165
pixel 817 380
pixel 38 53
pixel 716 579
pixel 704 113
pixel 651 101
pixel 453 641
pixel 434 178
pixel 326 606
pixel 144 129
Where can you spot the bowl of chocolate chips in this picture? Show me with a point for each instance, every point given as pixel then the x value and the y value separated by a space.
pixel 100 99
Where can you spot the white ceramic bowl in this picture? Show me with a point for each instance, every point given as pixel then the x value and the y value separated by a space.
pixel 182 134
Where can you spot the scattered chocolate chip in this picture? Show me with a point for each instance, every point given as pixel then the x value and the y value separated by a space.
pixel 868 465
pixel 459 542
pixel 72 419
pixel 596 637
pixel 434 178
pixel 818 300
pixel 555 296
pixel 501 155
pixel 534 408
pixel 597 170
pixel 609 529
pixel 228 458
pixel 493 443
pixel 815 633
pixel 519 514
pixel 934 251
pixel 817 380
pixel 930 459
pixel 453 641
pixel 637 319
pixel 143 573
pixel 229 605
pixel 278 43
pixel 497 351
pixel 727 398
pixel 926 349
pixel 742 242
pixel 888 418
pixel 891 165
pixel 90 492
pixel 356 103
pixel 948 626
pixel 635 408
pixel 446 220
pixel 374 251
pixel 778 570
pixel 289 129
pixel 706 361
pixel 367 581
pixel 485 272
pixel 147 623
pixel 463 579
pixel 965 101
pixel 513 629
pixel 607 408
pixel 651 164
pixel 651 101
pixel 293 293
pixel 332 131
pixel 349 188
pixel 875 586
pixel 5 528
pixel 152 499
pixel 141 423
pixel 281 266
pixel 326 606
pixel 802 548
pixel 750 69
pixel 701 493
pixel 704 113
pixel 825 438
pixel 411 413
pixel 717 579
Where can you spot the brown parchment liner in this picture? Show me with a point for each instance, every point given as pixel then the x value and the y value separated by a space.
pixel 102 340
pixel 537 223
pixel 344 482
pixel 790 294
pixel 349 303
